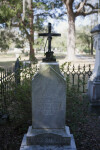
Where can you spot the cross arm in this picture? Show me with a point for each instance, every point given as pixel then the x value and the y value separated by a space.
pixel 43 34
pixel 55 34
pixel 49 34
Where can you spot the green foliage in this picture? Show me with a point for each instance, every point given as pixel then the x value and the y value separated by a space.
pixel 6 13
pixel 9 10
pixel 77 108
pixel 19 43
pixel 60 43
pixel 39 42
pixel 83 39
pixel 11 15
pixel 6 38
pixel 20 107
pixel 1 69
pixel 62 67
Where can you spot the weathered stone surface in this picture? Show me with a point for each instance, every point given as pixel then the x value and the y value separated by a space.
pixel 48 131
pixel 94 81
pixel 48 137
pixel 94 92
pixel 72 145
pixel 48 98
pixel 96 29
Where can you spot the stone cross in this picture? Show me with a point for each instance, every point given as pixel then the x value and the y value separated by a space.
pixel 49 54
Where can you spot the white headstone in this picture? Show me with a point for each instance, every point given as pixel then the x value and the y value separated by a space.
pixel 48 98
pixel 96 38
pixel 48 130
pixel 94 81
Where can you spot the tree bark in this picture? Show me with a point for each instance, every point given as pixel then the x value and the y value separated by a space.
pixel 80 11
pixel 91 45
pixel 31 40
pixel 71 33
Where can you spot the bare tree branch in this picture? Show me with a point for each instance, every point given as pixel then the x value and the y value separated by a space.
pixel 87 13
pixel 14 25
pixel 43 14
pixel 81 12
pixel 90 5
pixel 24 27
pixel 49 14
pixel 80 7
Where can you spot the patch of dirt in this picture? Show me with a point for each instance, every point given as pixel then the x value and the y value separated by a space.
pixel 11 135
pixel 87 135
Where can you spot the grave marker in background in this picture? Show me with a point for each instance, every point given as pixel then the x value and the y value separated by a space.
pixel 94 81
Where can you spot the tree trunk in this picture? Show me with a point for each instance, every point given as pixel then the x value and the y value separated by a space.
pixel 71 39
pixel 91 45
pixel 31 42
pixel 70 34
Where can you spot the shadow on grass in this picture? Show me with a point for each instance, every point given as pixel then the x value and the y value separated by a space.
pixel 61 57
pixel 7 64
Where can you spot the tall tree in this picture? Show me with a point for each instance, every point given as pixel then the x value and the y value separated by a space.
pixel 11 15
pixel 76 8
pixel 42 9
pixel 27 19
pixel 71 8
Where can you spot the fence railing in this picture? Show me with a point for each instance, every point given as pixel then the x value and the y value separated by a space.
pixel 10 78
pixel 7 78
pixel 76 76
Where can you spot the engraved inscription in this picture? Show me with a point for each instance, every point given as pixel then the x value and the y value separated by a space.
pixel 49 107
pixel 48 139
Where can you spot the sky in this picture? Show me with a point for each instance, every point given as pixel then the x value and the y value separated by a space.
pixel 80 21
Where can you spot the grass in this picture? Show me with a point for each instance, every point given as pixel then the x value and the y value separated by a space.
pixel 7 64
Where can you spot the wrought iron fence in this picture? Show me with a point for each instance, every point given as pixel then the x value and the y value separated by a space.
pixel 7 78
pixel 76 76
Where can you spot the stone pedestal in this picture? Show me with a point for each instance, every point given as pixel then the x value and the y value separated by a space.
pixel 48 130
pixel 94 81
pixel 48 140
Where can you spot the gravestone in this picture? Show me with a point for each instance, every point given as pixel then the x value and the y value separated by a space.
pixel 94 81
pixel 48 130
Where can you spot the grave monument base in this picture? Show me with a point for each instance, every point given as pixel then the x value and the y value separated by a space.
pixel 94 91
pixel 48 139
